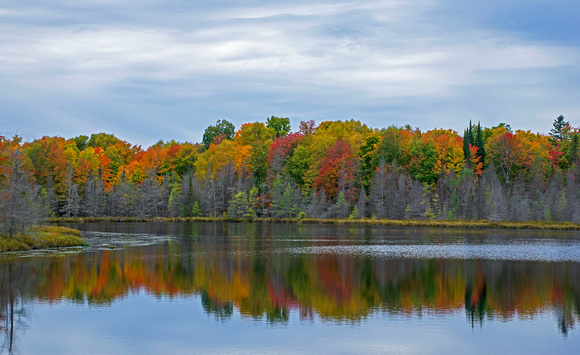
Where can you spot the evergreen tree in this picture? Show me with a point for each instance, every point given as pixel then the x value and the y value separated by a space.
pixel 470 134
pixel 557 132
pixel 466 149
pixel 240 207
pixel 479 144
pixel 195 210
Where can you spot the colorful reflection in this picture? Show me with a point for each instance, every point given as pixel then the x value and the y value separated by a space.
pixel 255 276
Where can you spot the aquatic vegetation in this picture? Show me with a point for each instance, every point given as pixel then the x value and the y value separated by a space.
pixel 42 237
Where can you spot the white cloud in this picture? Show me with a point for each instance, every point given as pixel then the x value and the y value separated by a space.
pixel 366 51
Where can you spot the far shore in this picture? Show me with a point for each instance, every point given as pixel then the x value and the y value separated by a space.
pixel 480 224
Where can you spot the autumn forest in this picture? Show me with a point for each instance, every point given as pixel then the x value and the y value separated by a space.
pixel 336 169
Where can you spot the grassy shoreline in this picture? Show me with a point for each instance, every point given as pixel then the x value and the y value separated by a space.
pixel 480 224
pixel 42 237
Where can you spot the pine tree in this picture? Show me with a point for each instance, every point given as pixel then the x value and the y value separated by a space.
pixel 466 149
pixel 479 144
pixel 239 206
pixel 557 131
pixel 195 210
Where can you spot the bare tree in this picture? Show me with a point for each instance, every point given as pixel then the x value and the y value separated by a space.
pixel 71 205
pixel 19 206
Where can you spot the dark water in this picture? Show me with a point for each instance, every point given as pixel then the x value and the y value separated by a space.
pixel 247 288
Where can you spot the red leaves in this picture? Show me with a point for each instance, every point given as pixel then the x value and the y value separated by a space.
pixel 337 170
pixel 284 145
pixel 555 156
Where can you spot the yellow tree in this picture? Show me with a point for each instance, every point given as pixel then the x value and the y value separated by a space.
pixel 257 137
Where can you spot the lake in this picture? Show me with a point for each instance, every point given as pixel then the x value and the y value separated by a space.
pixel 270 288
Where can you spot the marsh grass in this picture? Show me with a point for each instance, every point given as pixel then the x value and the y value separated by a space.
pixel 484 224
pixel 42 237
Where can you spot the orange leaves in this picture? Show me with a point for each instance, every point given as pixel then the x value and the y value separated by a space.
pixel 93 162
pixel 508 153
pixel 50 157
pixel 475 160
pixel 449 149
pixel 153 161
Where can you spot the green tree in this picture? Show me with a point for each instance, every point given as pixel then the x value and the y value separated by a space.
pixel 466 149
pixel 222 128
pixel 297 165
pixel 81 142
pixel 196 211
pixel 280 125
pixel 240 206
pixel 480 144
pixel 101 140
pixel 557 132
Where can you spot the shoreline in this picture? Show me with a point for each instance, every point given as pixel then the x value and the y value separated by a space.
pixel 476 224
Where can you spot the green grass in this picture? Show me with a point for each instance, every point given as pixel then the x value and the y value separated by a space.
pixel 538 225
pixel 41 238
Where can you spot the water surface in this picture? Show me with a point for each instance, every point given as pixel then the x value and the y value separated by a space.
pixel 242 288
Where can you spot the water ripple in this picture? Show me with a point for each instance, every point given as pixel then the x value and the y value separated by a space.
pixel 545 252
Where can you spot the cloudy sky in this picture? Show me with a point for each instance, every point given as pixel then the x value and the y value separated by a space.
pixel 166 69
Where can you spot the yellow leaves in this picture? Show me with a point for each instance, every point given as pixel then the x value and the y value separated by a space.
pixel 449 148
pixel 328 133
pixel 213 160
pixel 251 133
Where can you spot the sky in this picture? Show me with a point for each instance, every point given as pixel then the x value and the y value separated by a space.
pixel 150 70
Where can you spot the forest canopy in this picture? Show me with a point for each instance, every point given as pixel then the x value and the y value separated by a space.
pixel 336 169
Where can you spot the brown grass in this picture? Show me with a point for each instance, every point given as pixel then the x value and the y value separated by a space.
pixel 538 225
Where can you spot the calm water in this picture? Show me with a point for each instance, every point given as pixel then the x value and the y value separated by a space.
pixel 247 288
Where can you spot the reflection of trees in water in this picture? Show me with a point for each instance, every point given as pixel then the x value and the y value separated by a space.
pixel 221 311
pixel 13 314
pixel 249 275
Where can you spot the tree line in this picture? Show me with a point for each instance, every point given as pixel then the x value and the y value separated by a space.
pixel 336 169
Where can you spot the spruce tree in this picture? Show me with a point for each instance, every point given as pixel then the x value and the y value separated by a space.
pixel 466 149
pixel 479 144
pixel 557 132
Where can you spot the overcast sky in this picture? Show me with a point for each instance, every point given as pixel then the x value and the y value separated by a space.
pixel 166 69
